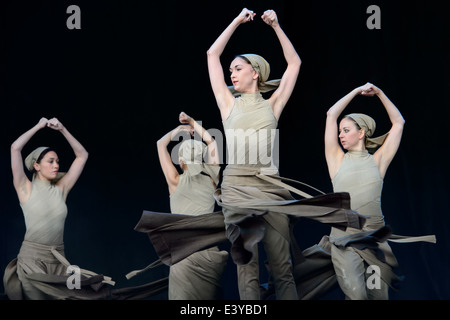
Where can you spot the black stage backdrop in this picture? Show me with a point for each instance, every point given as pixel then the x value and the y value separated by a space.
pixel 119 83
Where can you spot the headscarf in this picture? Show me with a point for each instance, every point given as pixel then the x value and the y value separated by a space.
pixel 262 67
pixel 368 124
pixel 31 159
pixel 192 152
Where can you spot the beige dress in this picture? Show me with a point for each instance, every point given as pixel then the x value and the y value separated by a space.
pixel 359 175
pixel 40 270
pixel 256 207
pixel 250 133
pixel 198 276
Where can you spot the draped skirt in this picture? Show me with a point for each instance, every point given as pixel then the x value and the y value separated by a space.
pixel 42 272
pixel 246 196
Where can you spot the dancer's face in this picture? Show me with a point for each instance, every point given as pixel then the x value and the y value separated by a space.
pixel 48 167
pixel 243 76
pixel 350 136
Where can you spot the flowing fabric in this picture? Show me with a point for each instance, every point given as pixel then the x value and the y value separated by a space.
pixel 359 175
pixel 260 198
pixel 195 274
pixel 312 268
pixel 41 270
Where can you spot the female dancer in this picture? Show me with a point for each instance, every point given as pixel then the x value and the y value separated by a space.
pixel 41 270
pixel 197 277
pixel 255 203
pixel 249 75
pixel 361 174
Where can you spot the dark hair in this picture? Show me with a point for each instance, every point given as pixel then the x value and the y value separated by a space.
pixel 243 58
pixel 41 156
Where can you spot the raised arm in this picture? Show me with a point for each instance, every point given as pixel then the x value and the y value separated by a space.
pixel 281 96
pixel 67 182
pixel 387 151
pixel 213 154
pixel 333 151
pixel 223 96
pixel 20 180
pixel 169 170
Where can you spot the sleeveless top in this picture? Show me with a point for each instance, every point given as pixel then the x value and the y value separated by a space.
pixel 194 193
pixel 45 213
pixel 251 137
pixel 360 177
pixel 250 132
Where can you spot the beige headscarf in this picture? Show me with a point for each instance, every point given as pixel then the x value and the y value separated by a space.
pixel 368 124
pixel 31 159
pixel 192 152
pixel 262 67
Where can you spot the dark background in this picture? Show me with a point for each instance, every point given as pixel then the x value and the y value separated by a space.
pixel 119 83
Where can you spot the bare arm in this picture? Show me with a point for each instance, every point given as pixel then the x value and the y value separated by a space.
pixel 213 155
pixel 387 151
pixel 67 182
pixel 281 96
pixel 169 170
pixel 20 180
pixel 223 96
pixel 333 151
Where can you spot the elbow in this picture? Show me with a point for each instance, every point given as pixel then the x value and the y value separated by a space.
pixel 331 115
pixel 398 120
pixel 296 61
pixel 399 124
pixel 295 65
pixel 161 144
pixel 84 155
pixel 211 53
pixel 14 147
